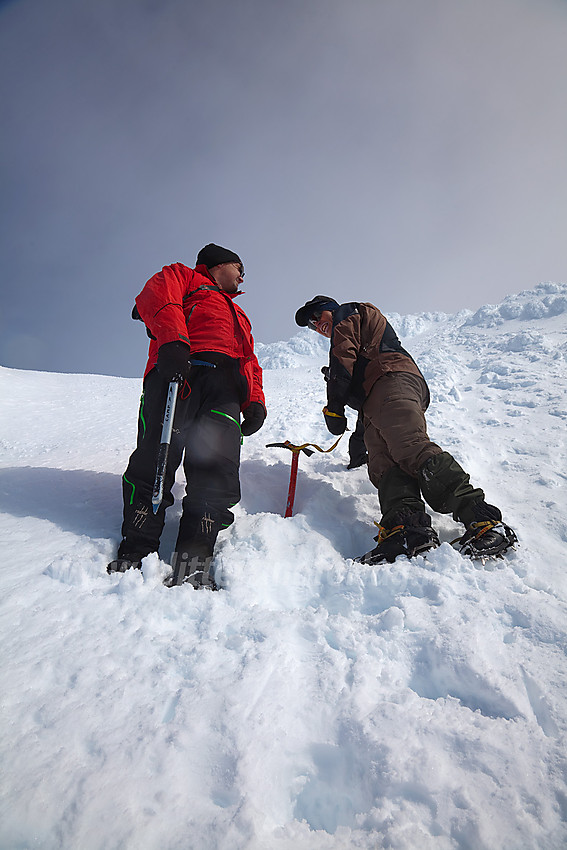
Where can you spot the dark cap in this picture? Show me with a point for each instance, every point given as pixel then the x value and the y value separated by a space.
pixel 316 305
pixel 213 255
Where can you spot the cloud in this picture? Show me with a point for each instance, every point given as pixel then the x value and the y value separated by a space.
pixel 409 154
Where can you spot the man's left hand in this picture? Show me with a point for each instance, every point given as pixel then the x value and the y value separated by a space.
pixel 254 416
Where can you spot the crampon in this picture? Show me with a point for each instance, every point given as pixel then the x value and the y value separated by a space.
pixel 486 540
pixel 408 540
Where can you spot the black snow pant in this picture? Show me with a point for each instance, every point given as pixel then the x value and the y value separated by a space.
pixel 206 436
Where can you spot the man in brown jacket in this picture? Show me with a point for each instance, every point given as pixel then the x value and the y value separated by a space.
pixel 369 370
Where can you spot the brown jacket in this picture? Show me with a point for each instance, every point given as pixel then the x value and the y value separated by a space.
pixel 364 347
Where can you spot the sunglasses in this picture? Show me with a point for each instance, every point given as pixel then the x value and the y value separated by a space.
pixel 314 320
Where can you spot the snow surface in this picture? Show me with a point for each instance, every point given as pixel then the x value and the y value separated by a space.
pixel 314 703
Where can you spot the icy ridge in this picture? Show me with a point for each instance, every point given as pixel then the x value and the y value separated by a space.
pixel 546 300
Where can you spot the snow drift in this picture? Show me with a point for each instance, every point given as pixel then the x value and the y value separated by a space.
pixel 313 703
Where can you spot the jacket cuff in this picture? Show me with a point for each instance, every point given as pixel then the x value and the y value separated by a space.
pixel 171 335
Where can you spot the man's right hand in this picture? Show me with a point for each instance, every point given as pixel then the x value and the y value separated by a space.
pixel 173 361
pixel 336 422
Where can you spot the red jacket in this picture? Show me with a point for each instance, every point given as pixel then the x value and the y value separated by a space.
pixel 179 303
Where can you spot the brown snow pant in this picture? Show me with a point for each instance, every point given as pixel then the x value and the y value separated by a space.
pixel 403 464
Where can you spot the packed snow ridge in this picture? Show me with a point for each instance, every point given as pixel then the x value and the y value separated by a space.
pixel 312 703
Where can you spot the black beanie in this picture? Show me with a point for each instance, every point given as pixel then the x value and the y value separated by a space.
pixel 317 304
pixel 213 255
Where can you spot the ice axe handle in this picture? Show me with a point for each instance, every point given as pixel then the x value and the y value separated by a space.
pixel 292 483
pixel 163 452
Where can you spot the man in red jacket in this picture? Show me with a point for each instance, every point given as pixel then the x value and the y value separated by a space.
pixel 202 339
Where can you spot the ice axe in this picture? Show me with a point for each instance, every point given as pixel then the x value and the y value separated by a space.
pixel 167 427
pixel 295 450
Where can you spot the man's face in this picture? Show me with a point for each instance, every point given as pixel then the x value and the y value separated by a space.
pixel 323 324
pixel 229 276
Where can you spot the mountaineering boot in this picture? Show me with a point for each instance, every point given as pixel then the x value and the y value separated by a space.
pixel 486 539
pixel 411 536
pixel 191 569
pixel 127 558
pixel 486 535
pixel 141 531
pixel 390 544
pixel 420 536
pixel 195 545
pixel 399 496
pixel 120 565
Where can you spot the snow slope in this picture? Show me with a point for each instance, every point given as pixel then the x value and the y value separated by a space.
pixel 314 703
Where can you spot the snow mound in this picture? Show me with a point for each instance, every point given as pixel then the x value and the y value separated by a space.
pixel 307 348
pixel 546 300
pixel 301 350
pixel 414 325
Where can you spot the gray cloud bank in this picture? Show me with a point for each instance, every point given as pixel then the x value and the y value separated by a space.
pixel 407 153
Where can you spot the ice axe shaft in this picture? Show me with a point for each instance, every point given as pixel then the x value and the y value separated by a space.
pixel 292 483
pixel 163 452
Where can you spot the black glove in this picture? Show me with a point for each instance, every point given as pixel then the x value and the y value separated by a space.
pixel 336 422
pixel 325 372
pixel 357 460
pixel 173 361
pixel 254 416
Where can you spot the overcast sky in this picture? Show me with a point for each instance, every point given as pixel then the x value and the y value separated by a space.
pixel 412 153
